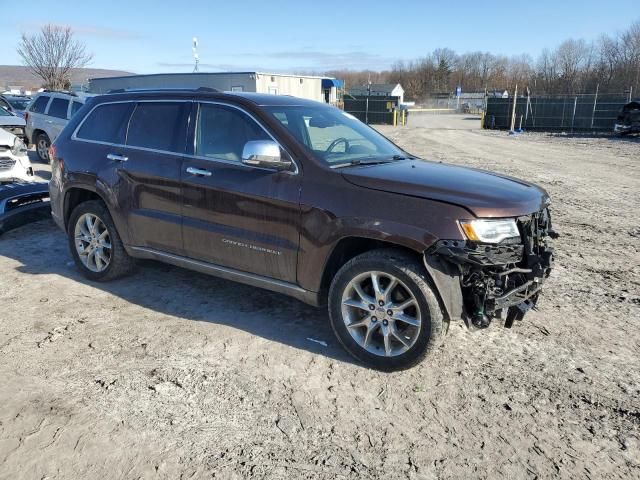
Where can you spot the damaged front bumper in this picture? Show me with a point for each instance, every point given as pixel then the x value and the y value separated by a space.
pixel 495 280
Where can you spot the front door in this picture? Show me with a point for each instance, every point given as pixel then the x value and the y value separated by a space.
pixel 151 164
pixel 236 215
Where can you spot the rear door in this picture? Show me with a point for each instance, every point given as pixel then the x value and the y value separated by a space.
pixel 57 116
pixel 151 164
pixel 235 215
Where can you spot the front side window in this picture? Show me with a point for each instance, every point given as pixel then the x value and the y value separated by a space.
pixel 40 103
pixel 159 126
pixel 106 123
pixel 334 136
pixel 222 132
pixel 58 108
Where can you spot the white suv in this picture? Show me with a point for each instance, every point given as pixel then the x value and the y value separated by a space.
pixel 47 115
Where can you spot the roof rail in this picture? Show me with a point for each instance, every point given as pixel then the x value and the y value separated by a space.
pixel 66 92
pixel 177 89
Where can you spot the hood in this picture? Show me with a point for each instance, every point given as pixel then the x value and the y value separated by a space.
pixel 12 120
pixel 6 138
pixel 485 194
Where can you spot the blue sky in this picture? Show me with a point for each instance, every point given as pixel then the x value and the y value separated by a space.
pixel 146 36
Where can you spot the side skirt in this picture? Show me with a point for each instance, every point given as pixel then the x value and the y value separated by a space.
pixel 286 288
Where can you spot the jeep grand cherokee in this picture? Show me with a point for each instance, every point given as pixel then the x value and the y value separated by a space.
pixel 300 198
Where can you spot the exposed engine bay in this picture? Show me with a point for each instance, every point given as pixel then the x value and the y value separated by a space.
pixel 502 280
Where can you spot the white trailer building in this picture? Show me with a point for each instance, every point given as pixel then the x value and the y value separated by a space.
pixel 321 89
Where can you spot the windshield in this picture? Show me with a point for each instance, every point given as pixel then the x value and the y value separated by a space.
pixel 19 103
pixel 334 136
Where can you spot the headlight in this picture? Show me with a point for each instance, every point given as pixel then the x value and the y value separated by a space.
pixel 18 148
pixel 490 231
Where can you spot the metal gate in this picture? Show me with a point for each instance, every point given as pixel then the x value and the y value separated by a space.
pixel 371 109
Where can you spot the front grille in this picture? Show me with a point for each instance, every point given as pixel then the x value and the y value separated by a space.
pixel 6 163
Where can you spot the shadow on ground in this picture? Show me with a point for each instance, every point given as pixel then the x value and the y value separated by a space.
pixel 41 248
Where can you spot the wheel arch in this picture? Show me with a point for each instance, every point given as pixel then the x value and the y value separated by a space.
pixel 349 247
pixel 442 278
pixel 74 196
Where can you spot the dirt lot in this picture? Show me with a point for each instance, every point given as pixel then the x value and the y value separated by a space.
pixel 171 374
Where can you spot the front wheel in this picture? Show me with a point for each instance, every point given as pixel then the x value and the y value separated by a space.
pixel 384 311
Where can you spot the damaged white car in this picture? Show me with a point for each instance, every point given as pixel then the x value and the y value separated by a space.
pixel 14 162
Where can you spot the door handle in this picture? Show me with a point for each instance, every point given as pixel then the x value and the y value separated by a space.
pixel 198 171
pixel 117 158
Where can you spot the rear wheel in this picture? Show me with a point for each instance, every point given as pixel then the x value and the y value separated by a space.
pixel 95 244
pixel 384 311
pixel 42 146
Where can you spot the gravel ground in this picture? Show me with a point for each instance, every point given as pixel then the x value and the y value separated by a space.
pixel 172 374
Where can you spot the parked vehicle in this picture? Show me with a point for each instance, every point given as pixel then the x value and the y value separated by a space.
pixel 629 119
pixel 300 198
pixel 23 202
pixel 12 123
pixel 47 115
pixel 14 162
pixel 15 103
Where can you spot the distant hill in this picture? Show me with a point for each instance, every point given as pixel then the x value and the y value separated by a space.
pixel 19 75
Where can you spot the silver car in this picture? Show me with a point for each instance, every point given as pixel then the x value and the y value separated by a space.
pixel 47 115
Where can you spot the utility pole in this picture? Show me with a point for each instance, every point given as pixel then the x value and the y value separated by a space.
pixel 595 102
pixel 513 112
pixel 196 58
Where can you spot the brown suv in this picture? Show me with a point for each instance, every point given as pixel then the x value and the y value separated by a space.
pixel 300 198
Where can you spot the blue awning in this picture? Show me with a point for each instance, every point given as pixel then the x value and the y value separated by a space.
pixel 332 82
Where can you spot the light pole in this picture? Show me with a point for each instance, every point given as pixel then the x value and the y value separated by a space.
pixel 196 59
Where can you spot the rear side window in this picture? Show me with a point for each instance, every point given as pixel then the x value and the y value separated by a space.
pixel 59 108
pixel 39 104
pixel 75 106
pixel 159 125
pixel 106 123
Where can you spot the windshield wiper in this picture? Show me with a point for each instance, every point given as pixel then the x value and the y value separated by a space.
pixel 358 161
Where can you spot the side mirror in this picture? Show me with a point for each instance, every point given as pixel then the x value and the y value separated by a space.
pixel 264 154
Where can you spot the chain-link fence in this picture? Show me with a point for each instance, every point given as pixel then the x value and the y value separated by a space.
pixel 571 113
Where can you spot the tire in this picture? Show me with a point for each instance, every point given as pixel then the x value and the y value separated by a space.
pixel 119 262
pixel 412 281
pixel 42 147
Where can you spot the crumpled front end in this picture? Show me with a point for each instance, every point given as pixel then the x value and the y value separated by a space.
pixel 501 280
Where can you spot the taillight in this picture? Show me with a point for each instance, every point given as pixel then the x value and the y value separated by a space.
pixel 26 117
pixel 52 152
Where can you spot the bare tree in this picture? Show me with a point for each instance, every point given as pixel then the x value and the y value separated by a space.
pixel 52 53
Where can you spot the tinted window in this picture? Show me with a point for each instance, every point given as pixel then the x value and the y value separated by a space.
pixel 107 123
pixel 58 108
pixel 40 104
pixel 161 126
pixel 223 131
pixel 75 106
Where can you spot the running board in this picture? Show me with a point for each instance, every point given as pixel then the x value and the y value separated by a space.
pixel 227 273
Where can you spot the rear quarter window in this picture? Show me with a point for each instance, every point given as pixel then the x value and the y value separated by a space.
pixel 75 106
pixel 106 123
pixel 39 104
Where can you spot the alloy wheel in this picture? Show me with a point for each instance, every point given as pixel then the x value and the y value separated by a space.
pixel 381 314
pixel 92 242
pixel 43 149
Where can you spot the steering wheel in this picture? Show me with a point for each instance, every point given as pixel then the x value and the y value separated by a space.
pixel 336 142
